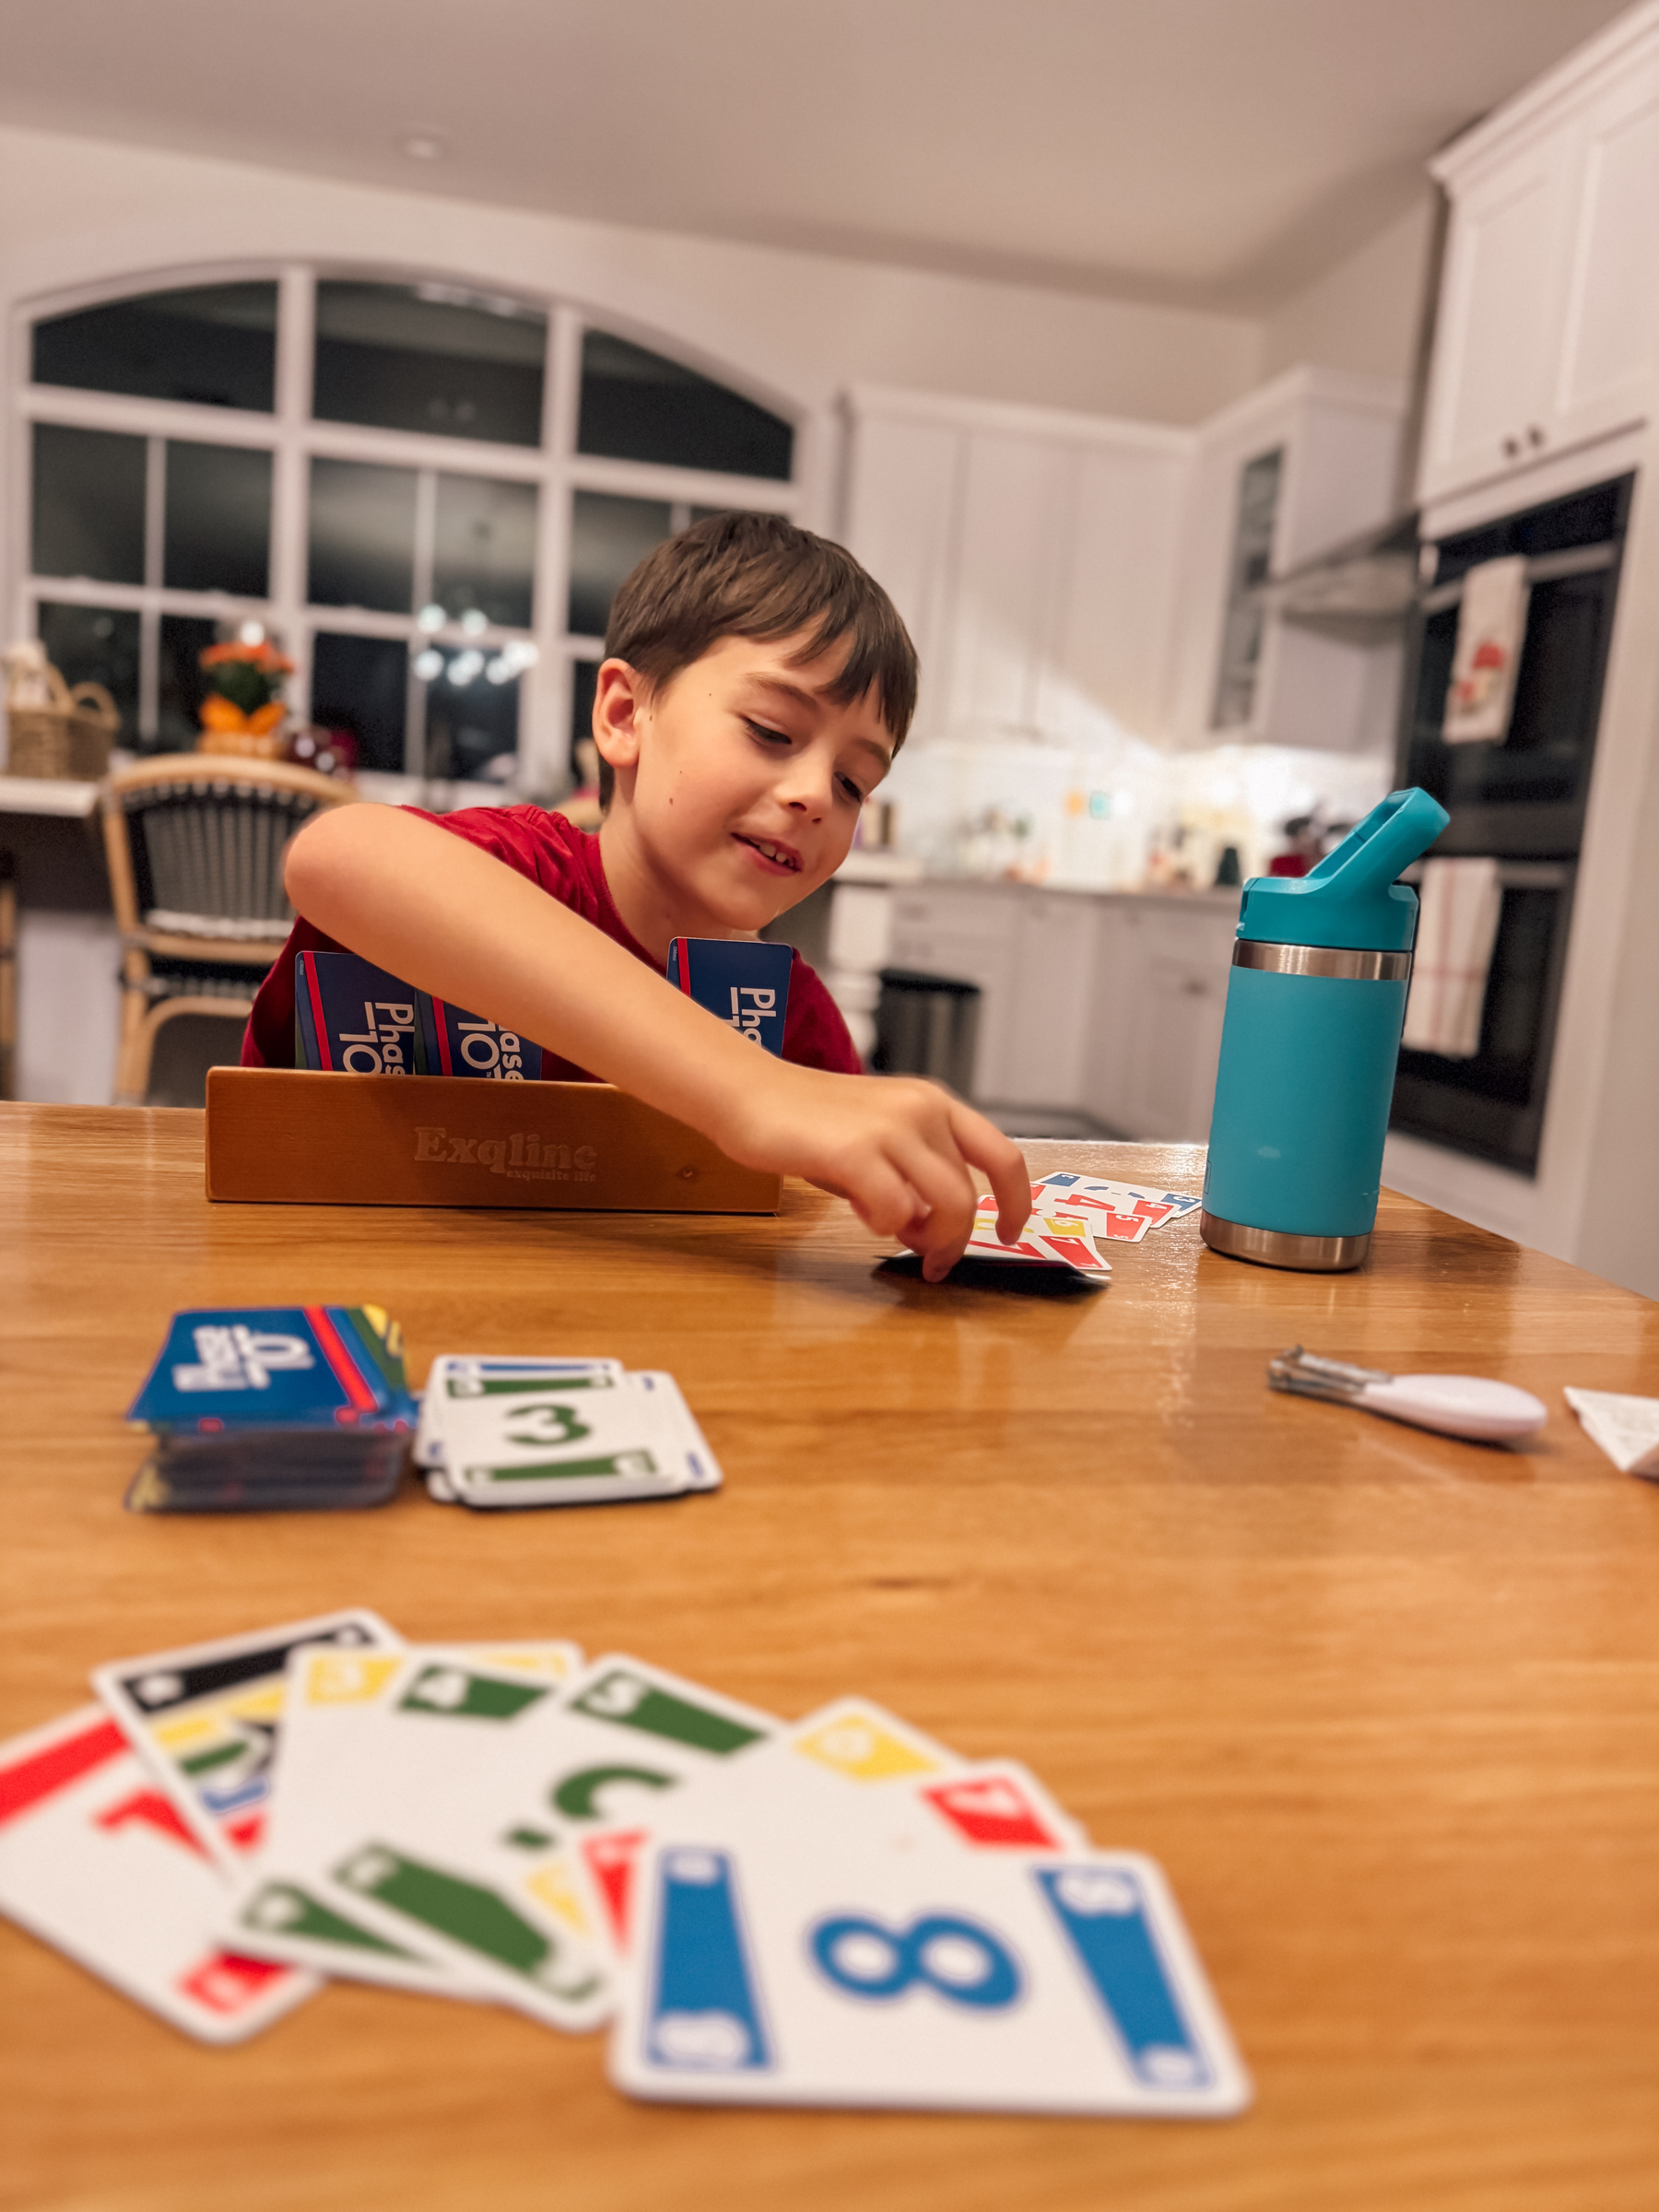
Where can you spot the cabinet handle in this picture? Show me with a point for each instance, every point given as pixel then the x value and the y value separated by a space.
pixel 1535 435
pixel 1193 988
pixel 1511 449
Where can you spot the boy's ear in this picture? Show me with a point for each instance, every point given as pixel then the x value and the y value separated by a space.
pixel 619 703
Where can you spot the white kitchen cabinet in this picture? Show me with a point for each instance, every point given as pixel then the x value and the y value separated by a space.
pixel 1548 336
pixel 1337 442
pixel 969 932
pixel 1161 991
pixel 1033 554
pixel 1046 1032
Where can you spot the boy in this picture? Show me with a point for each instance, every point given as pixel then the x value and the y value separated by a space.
pixel 756 687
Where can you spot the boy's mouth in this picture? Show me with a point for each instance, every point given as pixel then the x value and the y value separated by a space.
pixel 783 858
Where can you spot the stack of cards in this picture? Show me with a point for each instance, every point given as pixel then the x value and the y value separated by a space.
pixel 353 1018
pixel 499 1433
pixel 273 1409
pixel 833 1910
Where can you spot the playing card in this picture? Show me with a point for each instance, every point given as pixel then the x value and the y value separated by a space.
pixel 1047 1240
pixel 455 1376
pixel 207 1719
pixel 97 1862
pixel 574 1441
pixel 372 1740
pixel 269 1471
pixel 742 983
pixel 820 1968
pixel 457 1044
pixel 355 1018
pixel 264 1367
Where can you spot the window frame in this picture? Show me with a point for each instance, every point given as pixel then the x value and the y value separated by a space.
pixel 292 437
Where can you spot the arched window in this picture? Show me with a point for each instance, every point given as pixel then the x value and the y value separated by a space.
pixel 429 492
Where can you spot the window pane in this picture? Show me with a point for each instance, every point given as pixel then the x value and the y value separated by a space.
pixel 485 552
pixel 638 407
pixel 214 344
pixel 362 685
pixel 96 645
pixel 362 535
pixel 584 682
pixel 470 726
pixel 183 688
pixel 608 537
pixel 89 504
pixel 429 356
pixel 219 519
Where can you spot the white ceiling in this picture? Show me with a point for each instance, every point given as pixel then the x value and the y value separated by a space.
pixel 1217 153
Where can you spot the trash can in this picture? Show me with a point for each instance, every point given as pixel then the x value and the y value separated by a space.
pixel 926 1025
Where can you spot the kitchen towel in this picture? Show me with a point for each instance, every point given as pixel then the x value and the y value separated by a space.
pixel 1491 629
pixel 1456 931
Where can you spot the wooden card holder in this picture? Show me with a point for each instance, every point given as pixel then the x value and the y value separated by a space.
pixel 287 1137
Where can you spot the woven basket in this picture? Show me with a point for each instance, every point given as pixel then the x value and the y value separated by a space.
pixel 71 738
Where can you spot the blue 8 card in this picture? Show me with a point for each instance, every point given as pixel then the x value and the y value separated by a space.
pixel 814 1968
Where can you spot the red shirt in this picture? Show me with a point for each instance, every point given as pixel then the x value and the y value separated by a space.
pixel 565 862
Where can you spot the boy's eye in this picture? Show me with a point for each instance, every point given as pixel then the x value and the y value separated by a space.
pixel 758 729
pixel 851 790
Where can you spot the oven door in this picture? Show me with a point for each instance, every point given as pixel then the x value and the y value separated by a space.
pixel 1492 1106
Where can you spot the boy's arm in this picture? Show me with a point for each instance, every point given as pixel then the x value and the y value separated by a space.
pixel 449 918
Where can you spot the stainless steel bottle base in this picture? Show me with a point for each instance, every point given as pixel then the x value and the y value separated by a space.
pixel 1279 1248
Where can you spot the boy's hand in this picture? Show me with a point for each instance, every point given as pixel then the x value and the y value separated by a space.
pixel 899 1150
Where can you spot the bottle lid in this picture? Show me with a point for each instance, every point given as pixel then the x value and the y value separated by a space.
pixel 1351 899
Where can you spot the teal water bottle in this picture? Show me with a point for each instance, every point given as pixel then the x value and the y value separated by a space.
pixel 1315 1004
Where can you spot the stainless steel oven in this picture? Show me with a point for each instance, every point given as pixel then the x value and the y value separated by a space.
pixel 1521 801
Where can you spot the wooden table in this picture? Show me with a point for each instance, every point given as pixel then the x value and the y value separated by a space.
pixel 1385 1706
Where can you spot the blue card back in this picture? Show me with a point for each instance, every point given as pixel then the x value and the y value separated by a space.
pixel 742 984
pixel 355 1018
pixel 267 1367
pixel 458 1044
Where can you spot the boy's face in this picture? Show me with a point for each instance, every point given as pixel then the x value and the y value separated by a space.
pixel 739 785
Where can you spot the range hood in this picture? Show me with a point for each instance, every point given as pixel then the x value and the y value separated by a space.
pixel 1376 577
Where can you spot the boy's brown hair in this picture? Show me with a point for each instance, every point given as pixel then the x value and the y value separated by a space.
pixel 758 576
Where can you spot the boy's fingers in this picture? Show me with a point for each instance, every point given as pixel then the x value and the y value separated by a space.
pixel 984 1147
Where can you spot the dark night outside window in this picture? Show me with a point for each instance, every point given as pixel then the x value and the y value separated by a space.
pixel 608 537
pixel 214 345
pixel 96 645
pixel 219 519
pixel 89 504
pixel 484 553
pixel 362 535
pixel 361 685
pixel 638 407
pixel 469 725
pixel 181 686
pixel 584 683
pixel 422 358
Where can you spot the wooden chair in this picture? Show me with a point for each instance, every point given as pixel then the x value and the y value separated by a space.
pixel 195 847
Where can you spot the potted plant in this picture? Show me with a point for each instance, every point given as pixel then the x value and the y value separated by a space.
pixel 243 710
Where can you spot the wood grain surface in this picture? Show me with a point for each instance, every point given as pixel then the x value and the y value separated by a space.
pixel 1386 1706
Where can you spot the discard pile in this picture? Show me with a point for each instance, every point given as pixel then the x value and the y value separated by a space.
pixel 1069 1213
pixel 832 1911
pixel 502 1432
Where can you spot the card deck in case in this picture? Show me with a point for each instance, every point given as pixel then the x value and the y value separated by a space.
pixel 740 980
pixel 96 1861
pixel 269 1471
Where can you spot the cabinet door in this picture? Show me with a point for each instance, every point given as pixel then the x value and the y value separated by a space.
pixel 1177 1043
pixel 1501 302
pixel 970 935
pixel 902 519
pixel 1108 662
pixel 1108 1046
pixel 1012 552
pixel 1048 1015
pixel 1610 339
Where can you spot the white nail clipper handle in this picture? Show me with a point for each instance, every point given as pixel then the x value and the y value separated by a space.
pixel 1470 1405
